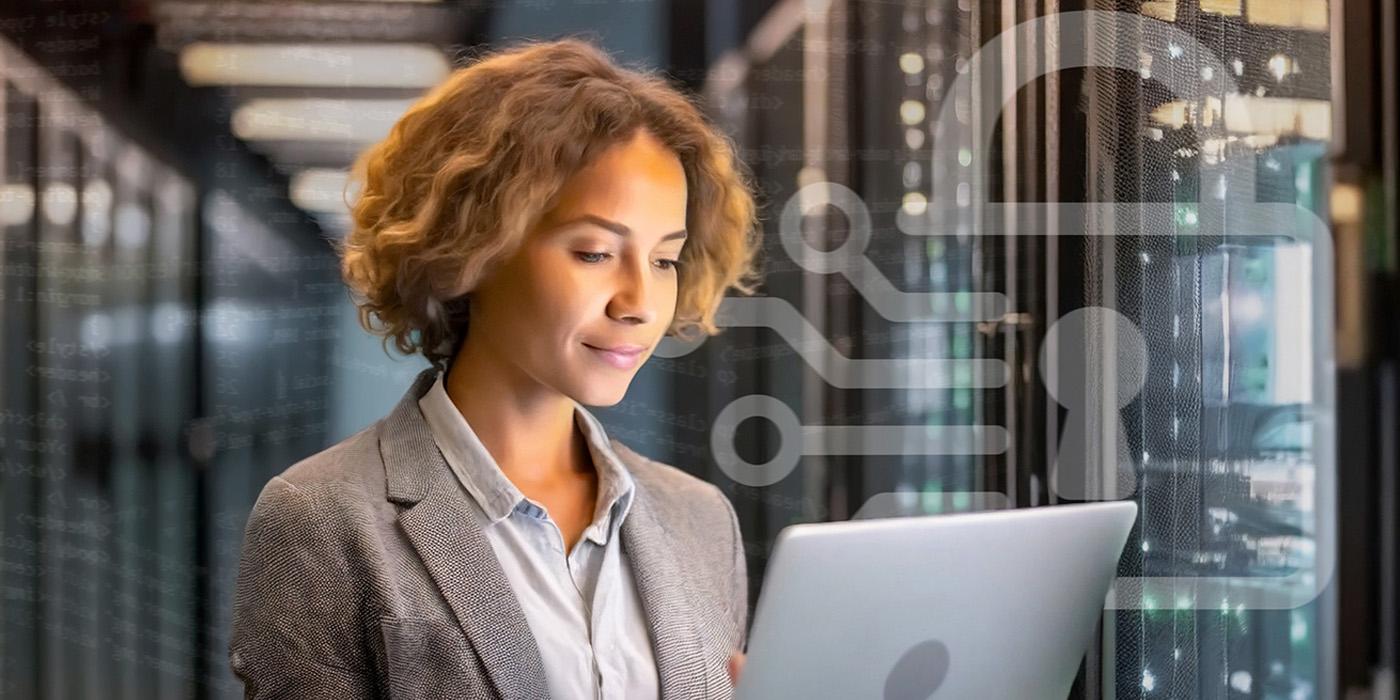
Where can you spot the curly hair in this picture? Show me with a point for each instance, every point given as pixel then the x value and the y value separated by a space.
pixel 471 167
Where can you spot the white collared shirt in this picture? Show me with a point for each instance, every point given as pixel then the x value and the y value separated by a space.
pixel 583 608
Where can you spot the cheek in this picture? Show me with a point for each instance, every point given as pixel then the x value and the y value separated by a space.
pixel 668 304
pixel 557 294
pixel 525 297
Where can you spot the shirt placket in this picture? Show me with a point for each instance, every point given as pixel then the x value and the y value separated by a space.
pixel 574 566
pixel 607 632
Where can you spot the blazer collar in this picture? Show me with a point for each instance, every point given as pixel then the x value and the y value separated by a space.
pixel 439 523
pixel 484 481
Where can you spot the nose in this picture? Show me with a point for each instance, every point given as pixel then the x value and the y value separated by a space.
pixel 631 302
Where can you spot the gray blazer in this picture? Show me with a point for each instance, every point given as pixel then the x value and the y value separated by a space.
pixel 364 575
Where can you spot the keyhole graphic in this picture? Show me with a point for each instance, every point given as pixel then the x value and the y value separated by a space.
pixel 1093 362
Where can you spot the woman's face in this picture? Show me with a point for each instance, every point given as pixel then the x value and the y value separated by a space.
pixel 595 274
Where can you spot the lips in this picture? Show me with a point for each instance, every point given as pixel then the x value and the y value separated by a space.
pixel 619 356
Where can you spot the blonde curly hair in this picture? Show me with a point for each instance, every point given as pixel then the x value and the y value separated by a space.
pixel 470 168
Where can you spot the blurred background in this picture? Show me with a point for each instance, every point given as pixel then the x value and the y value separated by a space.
pixel 175 331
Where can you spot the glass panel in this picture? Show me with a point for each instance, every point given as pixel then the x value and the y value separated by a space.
pixel 1218 439
pixel 1230 434
pixel 22 477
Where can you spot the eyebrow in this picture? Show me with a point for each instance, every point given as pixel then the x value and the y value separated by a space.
pixel 618 228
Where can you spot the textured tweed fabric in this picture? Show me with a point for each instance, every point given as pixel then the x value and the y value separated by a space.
pixel 363 575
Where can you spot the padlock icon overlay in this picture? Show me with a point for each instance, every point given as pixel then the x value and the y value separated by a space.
pixel 1110 361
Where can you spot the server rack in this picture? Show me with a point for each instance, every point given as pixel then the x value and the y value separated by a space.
pixel 168 331
pixel 1221 461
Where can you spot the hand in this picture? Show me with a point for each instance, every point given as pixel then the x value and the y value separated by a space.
pixel 736 666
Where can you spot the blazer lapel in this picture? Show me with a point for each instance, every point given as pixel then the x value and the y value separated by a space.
pixel 440 524
pixel 670 612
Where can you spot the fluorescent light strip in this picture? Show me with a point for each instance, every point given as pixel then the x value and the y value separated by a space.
pixel 1222 7
pixel 317 119
pixel 322 190
pixel 314 65
pixel 1297 14
pixel 1279 116
pixel 1247 114
pixel 1161 9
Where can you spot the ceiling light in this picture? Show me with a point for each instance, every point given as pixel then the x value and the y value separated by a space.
pixel 314 65
pixel 322 190
pixel 317 119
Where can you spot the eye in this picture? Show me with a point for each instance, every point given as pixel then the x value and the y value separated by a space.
pixel 592 257
pixel 669 264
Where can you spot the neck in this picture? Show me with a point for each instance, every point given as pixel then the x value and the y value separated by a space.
pixel 528 429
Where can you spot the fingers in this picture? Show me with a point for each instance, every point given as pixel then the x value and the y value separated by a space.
pixel 736 666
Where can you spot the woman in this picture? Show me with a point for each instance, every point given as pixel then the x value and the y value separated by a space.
pixel 533 227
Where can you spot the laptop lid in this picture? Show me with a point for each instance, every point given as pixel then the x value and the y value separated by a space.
pixel 996 604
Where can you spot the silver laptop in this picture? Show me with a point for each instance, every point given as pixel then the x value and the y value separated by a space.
pixel 998 604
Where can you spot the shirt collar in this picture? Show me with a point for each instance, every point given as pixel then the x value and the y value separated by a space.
pixel 483 479
pixel 615 485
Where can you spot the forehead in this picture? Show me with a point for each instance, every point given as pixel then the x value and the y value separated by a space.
pixel 639 182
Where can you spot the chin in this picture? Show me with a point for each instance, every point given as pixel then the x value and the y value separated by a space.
pixel 602 396
pixel 611 399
